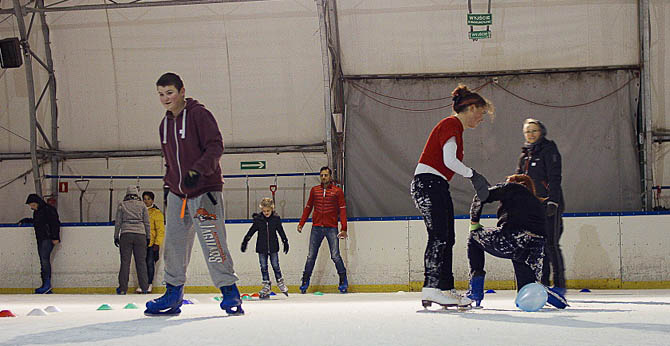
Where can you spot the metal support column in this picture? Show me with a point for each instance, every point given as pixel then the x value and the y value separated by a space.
pixel 18 13
pixel 325 61
pixel 337 86
pixel 52 97
pixel 645 85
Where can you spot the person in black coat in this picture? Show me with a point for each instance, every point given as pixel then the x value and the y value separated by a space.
pixel 47 231
pixel 541 161
pixel 268 224
pixel 519 236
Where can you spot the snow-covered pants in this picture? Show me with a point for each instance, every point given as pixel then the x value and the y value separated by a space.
pixel 525 249
pixel 431 196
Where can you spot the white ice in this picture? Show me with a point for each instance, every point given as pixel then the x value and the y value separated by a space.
pixel 603 317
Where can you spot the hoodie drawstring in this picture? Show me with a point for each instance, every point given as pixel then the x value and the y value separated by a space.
pixel 183 128
pixel 164 130
pixel 183 125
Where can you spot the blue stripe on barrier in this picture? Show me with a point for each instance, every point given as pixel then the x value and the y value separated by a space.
pixel 385 218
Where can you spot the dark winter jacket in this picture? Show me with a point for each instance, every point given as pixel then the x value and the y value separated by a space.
pixel 542 162
pixel 45 219
pixel 267 229
pixel 519 208
pixel 191 140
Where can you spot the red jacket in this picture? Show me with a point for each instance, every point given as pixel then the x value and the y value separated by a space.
pixel 432 152
pixel 327 203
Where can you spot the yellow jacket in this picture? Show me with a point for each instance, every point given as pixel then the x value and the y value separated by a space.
pixel 156 220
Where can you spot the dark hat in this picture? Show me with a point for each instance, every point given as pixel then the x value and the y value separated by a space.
pixel 34 198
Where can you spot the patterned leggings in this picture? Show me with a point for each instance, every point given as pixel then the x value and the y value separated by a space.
pixel 525 249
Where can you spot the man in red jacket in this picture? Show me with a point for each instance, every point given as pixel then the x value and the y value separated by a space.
pixel 327 200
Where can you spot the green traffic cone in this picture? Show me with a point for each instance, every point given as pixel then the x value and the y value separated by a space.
pixel 317 293
pixel 130 306
pixel 105 307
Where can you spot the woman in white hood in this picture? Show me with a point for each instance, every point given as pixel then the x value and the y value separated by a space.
pixel 131 235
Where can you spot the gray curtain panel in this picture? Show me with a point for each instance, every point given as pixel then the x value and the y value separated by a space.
pixel 597 141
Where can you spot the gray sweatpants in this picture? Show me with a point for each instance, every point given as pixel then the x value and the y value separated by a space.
pixel 203 215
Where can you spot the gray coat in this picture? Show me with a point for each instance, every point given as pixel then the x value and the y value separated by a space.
pixel 132 215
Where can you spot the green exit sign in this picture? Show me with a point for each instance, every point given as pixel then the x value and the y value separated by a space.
pixel 480 19
pixel 477 35
pixel 252 165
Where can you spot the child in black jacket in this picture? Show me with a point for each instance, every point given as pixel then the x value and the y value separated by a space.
pixel 268 224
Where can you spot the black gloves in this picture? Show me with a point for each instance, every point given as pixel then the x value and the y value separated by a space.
pixel 552 208
pixel 116 242
pixel 481 185
pixel 191 178
pixel 285 246
pixel 157 254
pixel 244 244
pixel 25 220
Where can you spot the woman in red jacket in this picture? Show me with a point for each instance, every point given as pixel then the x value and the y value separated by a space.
pixel 442 157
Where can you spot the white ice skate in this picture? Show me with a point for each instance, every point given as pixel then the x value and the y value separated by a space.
pixel 282 286
pixel 445 299
pixel 265 291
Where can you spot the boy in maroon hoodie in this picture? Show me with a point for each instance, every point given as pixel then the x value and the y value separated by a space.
pixel 192 146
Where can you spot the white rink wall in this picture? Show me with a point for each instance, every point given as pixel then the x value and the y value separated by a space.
pixel 599 252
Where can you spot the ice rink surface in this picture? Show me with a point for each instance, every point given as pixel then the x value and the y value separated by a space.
pixel 602 317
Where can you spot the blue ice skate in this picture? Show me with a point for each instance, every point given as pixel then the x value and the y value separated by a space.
pixel 304 286
pixel 555 297
pixel 476 289
pixel 344 284
pixel 231 301
pixel 45 288
pixel 167 304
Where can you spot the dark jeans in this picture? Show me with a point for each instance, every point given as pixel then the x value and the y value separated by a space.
pixel 526 251
pixel 274 260
pixel 151 266
pixel 432 198
pixel 553 261
pixel 44 248
pixel 133 244
pixel 315 240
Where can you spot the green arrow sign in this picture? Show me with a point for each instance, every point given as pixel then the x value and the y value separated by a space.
pixel 480 19
pixel 252 165
pixel 476 35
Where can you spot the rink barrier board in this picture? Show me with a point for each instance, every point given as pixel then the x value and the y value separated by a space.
pixel 412 287
pixel 381 255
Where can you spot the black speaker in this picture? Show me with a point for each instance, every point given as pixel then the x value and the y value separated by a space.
pixel 10 53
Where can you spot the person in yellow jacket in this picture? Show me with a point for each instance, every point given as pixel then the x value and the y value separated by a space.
pixel 157 223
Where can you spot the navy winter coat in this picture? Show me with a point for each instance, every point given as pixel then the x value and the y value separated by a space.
pixel 267 228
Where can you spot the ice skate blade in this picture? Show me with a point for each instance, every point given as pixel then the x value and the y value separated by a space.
pixel 237 312
pixel 285 293
pixel 427 303
pixel 170 312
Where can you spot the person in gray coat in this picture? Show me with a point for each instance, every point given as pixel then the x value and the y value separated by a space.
pixel 132 232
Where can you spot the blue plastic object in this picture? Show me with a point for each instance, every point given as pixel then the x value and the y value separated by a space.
pixel 531 297
pixel 490 291
pixel 585 290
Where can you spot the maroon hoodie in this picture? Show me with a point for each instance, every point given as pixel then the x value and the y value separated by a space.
pixel 191 141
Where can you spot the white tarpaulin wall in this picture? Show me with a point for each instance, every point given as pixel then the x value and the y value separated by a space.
pixel 262 63
pixel 431 36
pixel 256 66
